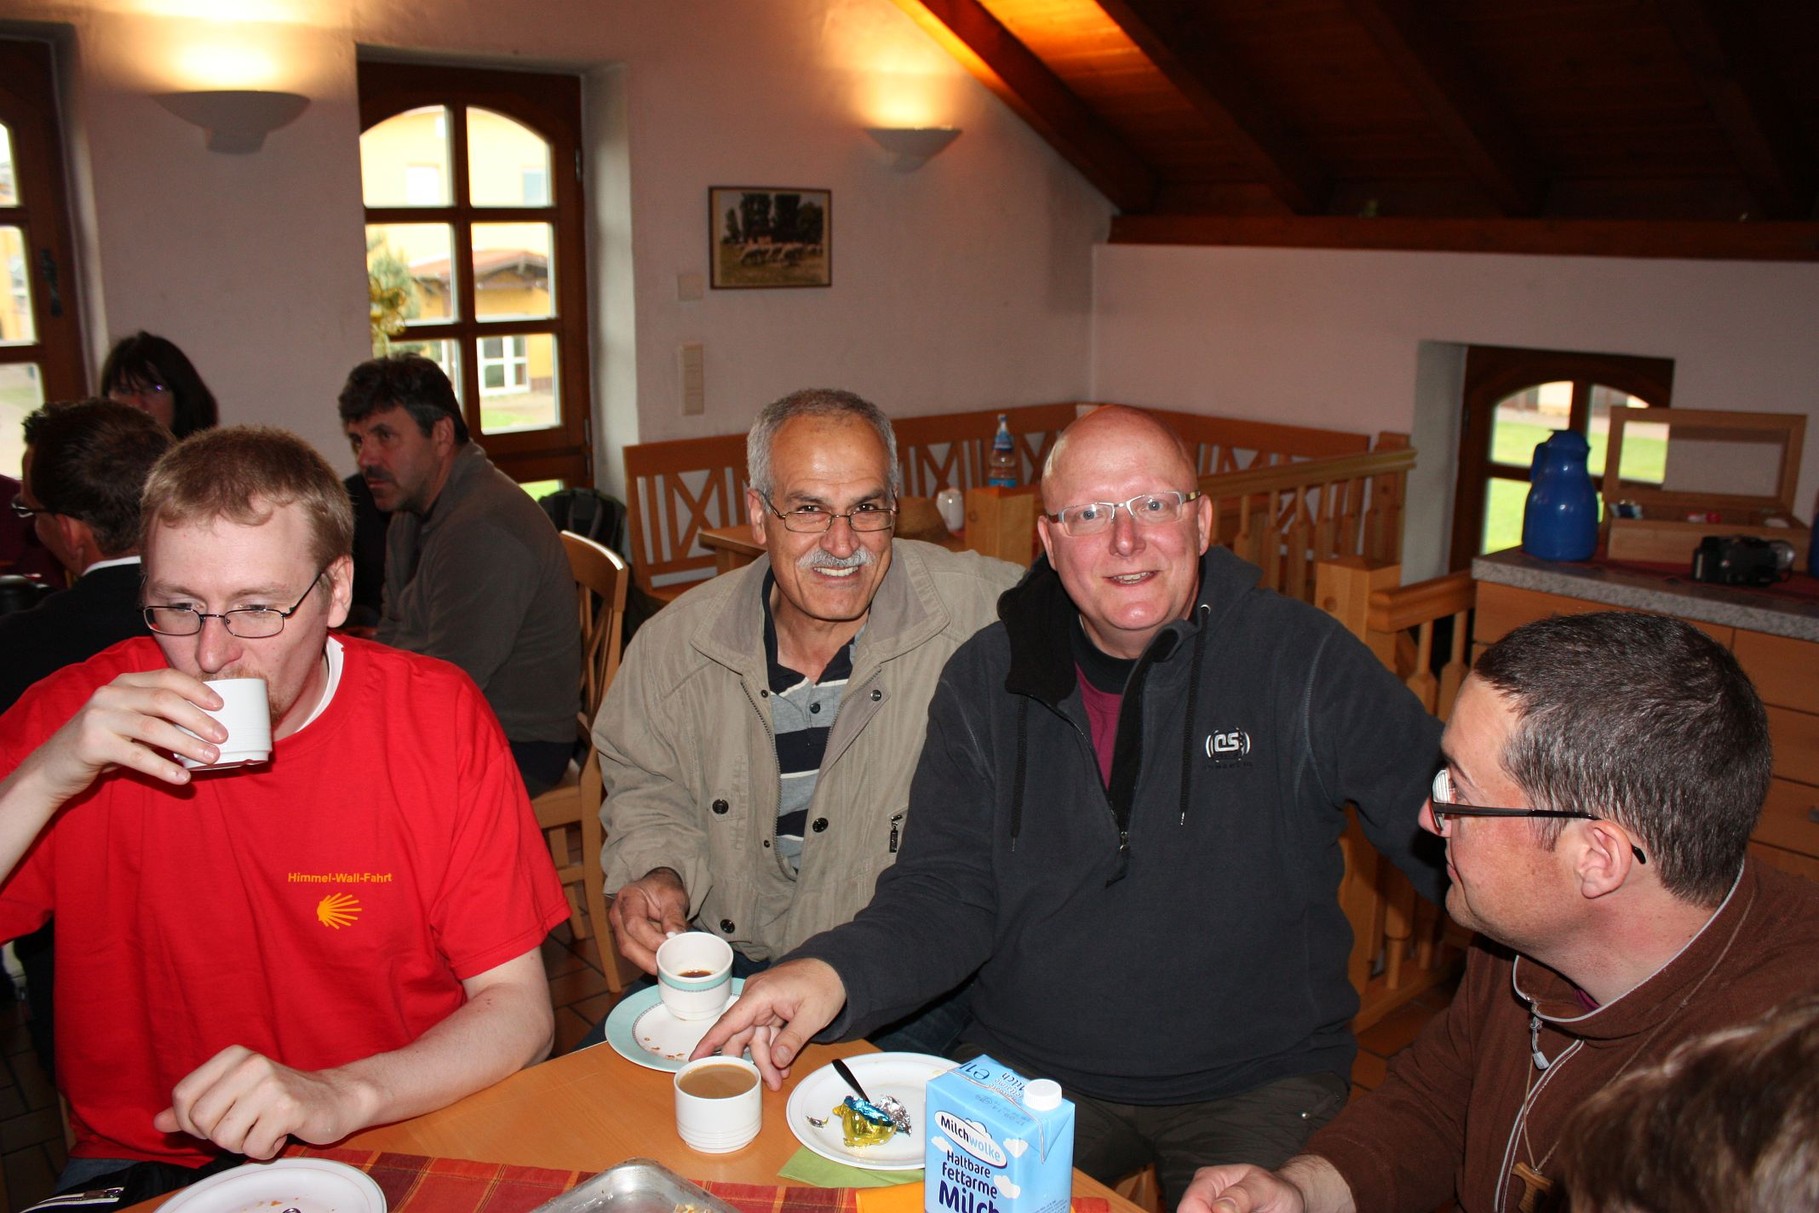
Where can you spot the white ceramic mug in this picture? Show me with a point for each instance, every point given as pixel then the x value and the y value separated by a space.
pixel 246 713
pixel 719 1104
pixel 695 974
pixel 952 505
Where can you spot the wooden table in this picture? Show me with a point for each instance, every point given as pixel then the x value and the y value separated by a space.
pixel 592 1109
pixel 733 547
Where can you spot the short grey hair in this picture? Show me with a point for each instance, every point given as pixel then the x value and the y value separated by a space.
pixel 815 402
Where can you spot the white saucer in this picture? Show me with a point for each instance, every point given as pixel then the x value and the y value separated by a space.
pixel 641 1030
pixel 309 1185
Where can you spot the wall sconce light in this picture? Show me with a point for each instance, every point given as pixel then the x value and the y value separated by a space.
pixel 236 120
pixel 913 146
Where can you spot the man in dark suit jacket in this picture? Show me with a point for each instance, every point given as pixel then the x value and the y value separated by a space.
pixel 85 464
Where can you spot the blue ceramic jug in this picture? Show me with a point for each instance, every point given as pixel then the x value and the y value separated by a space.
pixel 1560 521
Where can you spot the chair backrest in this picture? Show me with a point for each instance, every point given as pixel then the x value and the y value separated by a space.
pixel 601 581
pixel 675 490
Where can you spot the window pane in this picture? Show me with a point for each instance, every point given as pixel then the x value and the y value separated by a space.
pixel 404 161
pixel 511 270
pixel 1503 505
pixel 408 272
pixel 1522 420
pixel 21 391
pixel 16 326
pixel 507 162
pixel 517 383
pixel 1644 443
pixel 9 182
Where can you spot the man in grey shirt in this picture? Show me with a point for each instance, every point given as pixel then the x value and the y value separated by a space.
pixel 474 570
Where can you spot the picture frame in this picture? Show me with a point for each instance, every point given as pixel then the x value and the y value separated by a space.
pixel 767 237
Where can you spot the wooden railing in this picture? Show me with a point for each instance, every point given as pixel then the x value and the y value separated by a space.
pixel 1400 943
pixel 1286 517
pixel 1270 479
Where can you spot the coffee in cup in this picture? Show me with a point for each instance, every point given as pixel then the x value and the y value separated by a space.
pixel 719 1104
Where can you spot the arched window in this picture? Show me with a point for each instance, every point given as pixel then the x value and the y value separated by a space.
pixel 474 250
pixel 1513 399
pixel 40 341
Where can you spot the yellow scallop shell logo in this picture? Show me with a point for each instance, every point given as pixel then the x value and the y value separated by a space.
pixel 338 910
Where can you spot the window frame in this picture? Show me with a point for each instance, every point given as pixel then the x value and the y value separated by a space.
pixel 1494 373
pixel 29 107
pixel 550 105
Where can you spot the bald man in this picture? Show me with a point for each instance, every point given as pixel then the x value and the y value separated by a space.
pixel 1127 819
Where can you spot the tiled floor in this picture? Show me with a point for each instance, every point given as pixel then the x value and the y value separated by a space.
pixel 31 1133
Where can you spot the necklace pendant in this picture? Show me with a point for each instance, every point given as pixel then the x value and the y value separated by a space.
pixel 1534 1186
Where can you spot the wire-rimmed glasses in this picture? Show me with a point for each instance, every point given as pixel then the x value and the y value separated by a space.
pixel 1151 509
pixel 248 623
pixel 814 520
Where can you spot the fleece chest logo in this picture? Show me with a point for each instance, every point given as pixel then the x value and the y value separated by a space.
pixel 1228 747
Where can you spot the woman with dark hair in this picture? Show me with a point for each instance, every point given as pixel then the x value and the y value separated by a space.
pixel 151 373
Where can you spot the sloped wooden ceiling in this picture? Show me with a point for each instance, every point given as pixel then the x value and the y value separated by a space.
pixel 1629 127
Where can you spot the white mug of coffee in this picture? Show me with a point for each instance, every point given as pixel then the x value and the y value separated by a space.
pixel 246 714
pixel 695 974
pixel 719 1104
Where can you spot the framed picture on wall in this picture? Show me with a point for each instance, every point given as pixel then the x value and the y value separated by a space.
pixel 766 237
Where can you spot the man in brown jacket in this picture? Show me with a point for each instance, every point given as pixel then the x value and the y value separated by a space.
pixel 1603 773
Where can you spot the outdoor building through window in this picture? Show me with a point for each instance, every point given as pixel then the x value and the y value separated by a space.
pixel 474 251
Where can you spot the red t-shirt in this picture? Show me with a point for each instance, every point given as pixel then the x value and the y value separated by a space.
pixel 319 909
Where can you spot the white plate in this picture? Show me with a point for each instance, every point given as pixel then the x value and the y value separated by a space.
pixel 308 1185
pixel 904 1075
pixel 641 1030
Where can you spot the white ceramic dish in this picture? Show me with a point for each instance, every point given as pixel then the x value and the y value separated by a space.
pixel 308 1185
pixel 904 1075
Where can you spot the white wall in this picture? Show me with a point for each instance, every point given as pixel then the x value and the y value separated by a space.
pixel 966 284
pixel 1368 340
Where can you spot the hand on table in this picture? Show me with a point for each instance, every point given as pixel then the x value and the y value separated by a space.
pixel 247 1103
pixel 646 912
pixel 131 722
pixel 1239 1189
pixel 780 1011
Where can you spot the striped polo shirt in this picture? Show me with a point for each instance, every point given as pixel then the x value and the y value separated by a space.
pixel 802 713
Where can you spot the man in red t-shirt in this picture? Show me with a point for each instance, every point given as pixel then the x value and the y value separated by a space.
pixel 345 935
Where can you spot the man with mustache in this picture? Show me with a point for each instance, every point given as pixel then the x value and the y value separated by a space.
pixel 759 739
pixel 474 571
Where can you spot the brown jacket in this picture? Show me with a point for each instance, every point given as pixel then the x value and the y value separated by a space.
pixel 1447 1121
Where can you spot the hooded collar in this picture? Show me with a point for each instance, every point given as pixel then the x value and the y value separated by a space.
pixel 1038 616
pixel 1645 1008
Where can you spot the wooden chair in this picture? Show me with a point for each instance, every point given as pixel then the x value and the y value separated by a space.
pixel 673 491
pixel 570 812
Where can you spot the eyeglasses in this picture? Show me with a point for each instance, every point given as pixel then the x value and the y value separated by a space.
pixel 1151 509
pixel 138 390
pixel 1443 806
pixel 813 520
pixel 22 510
pixel 248 623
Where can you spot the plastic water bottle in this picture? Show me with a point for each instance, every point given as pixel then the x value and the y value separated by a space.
pixel 1001 468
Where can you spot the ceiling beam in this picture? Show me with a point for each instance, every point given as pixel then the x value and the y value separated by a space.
pixel 1690 239
pixel 1727 61
pixel 1038 96
pixel 1477 128
pixel 1174 36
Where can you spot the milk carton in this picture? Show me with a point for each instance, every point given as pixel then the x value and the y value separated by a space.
pixel 997 1143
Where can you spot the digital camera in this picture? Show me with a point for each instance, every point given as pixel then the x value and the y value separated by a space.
pixel 1742 560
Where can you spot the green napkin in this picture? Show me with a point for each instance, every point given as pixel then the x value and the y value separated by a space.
pixel 806 1166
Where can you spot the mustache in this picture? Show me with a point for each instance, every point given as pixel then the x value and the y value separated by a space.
pixel 820 558
pixel 377 477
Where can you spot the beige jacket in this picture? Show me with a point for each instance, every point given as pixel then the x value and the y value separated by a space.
pixel 691 766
